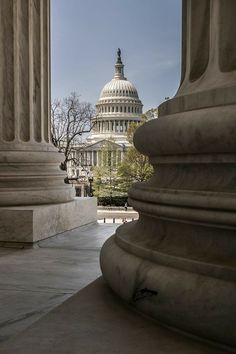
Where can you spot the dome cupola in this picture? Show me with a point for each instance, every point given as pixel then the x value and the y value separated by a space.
pixel 119 87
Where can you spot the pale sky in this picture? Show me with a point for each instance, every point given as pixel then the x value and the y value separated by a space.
pixel 87 33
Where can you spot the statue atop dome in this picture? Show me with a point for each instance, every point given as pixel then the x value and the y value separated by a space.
pixel 119 61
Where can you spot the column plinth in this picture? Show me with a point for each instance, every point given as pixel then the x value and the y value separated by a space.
pixel 177 262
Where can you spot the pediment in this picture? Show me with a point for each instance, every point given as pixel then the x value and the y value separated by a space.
pixel 102 144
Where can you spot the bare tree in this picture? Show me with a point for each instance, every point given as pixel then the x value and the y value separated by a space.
pixel 70 119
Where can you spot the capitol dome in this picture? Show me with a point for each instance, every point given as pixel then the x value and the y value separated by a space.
pixel 118 106
pixel 118 88
pixel 120 92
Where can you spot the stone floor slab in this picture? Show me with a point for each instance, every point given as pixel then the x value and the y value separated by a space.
pixel 34 281
pixel 95 321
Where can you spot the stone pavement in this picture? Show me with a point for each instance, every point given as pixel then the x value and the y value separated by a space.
pixel 96 321
pixel 43 311
pixel 33 281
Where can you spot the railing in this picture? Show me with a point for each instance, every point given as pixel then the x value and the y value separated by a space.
pixel 117 214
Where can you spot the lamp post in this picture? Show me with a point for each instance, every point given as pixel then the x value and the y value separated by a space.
pixel 90 186
pixel 90 179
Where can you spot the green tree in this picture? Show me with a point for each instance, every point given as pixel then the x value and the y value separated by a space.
pixel 106 180
pixel 135 167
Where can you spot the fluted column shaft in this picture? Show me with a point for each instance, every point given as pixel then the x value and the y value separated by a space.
pixel 29 164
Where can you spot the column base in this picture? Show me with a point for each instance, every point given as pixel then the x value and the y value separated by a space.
pixel 187 300
pixel 29 224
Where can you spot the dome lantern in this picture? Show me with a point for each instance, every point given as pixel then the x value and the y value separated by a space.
pixel 119 67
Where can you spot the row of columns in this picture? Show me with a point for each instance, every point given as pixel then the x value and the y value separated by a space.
pixel 100 158
pixel 118 126
pixel 119 109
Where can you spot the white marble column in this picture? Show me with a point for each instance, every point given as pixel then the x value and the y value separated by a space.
pixel 35 203
pixel 96 158
pixel 178 259
pixel 29 164
pixel 123 126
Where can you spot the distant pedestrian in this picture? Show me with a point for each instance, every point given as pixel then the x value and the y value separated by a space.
pixel 126 206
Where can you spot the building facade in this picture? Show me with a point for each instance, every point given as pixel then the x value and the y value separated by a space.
pixel 117 107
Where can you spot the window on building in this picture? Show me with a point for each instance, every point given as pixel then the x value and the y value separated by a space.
pixel 120 108
pixel 116 109
pixel 125 109
pixel 129 109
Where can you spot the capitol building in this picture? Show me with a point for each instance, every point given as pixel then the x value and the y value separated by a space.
pixel 117 107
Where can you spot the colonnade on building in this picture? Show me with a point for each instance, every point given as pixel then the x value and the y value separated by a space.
pixel 114 125
pixel 89 158
pixel 106 108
